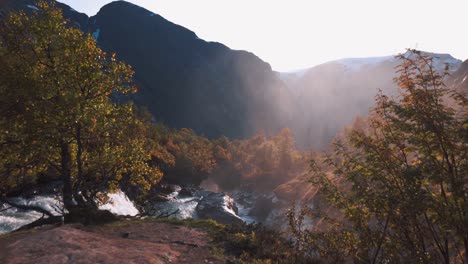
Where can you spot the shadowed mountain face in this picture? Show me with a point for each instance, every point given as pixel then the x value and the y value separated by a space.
pixel 77 19
pixel 185 81
pixel 331 95
pixel 188 82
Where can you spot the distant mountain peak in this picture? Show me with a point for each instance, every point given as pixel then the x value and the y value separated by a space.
pixel 122 3
pixel 356 64
pixel 360 63
pixel 137 14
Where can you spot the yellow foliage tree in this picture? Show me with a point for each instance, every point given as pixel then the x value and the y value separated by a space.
pixel 56 111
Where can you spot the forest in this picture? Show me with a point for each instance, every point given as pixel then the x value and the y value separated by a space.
pixel 390 188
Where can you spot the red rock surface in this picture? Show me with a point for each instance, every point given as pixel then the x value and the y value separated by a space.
pixel 122 243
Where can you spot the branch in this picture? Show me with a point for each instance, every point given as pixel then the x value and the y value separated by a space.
pixel 166 215
pixel 27 207
pixel 53 220
pixel 3 210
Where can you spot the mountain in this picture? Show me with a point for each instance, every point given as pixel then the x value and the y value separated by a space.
pixel 188 82
pixel 183 80
pixel 77 19
pixel 459 79
pixel 329 96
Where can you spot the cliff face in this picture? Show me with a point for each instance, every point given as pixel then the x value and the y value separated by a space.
pixel 183 80
pixel 188 82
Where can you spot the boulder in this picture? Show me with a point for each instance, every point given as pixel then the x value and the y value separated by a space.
pixel 160 198
pixel 187 192
pixel 90 216
pixel 167 188
pixel 219 207
pixel 263 206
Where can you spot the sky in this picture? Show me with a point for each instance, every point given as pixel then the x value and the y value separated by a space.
pixel 297 34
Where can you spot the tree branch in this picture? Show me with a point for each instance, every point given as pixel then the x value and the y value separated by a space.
pixel 27 207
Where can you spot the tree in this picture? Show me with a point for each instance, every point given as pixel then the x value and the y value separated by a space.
pixel 260 161
pixel 398 185
pixel 56 111
pixel 192 156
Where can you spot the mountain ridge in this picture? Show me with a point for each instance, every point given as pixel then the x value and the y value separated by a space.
pixel 330 95
pixel 185 81
pixel 368 61
pixel 216 88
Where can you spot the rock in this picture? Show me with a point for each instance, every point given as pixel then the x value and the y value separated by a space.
pixel 160 198
pixel 90 216
pixel 148 242
pixel 219 207
pixel 263 206
pixel 186 192
pixel 167 188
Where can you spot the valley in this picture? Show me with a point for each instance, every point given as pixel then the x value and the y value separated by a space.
pixel 123 123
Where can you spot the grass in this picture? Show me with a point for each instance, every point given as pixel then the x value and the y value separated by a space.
pixel 234 243
pixel 243 243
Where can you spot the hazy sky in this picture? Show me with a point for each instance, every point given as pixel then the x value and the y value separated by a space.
pixel 297 34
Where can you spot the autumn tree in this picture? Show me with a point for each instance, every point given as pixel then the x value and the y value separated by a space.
pixel 260 161
pixel 56 111
pixel 396 187
pixel 191 156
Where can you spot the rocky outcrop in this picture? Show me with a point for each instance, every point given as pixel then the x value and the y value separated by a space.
pixel 187 192
pixel 219 207
pixel 126 243
pixel 263 206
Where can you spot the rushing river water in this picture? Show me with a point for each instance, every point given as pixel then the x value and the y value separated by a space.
pixel 181 206
pixel 13 218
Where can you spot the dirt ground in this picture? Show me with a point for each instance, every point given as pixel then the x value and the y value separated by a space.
pixel 122 242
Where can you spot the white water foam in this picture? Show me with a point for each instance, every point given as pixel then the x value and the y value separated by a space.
pixel 119 204
pixel 13 218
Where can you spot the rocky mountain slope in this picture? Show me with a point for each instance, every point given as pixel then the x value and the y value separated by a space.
pixel 459 79
pixel 329 96
pixel 183 80
pixel 188 82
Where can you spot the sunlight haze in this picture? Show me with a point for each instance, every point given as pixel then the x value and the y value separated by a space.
pixel 298 34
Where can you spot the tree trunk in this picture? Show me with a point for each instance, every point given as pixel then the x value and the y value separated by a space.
pixel 465 241
pixel 66 176
pixel 79 167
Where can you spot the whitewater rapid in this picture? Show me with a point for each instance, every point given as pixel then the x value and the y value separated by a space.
pixel 13 218
pixel 177 206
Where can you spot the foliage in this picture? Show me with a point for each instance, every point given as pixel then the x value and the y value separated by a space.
pixel 56 112
pixel 397 185
pixel 246 243
pixel 184 157
pixel 260 161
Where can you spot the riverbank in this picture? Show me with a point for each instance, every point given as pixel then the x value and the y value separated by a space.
pixel 145 241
